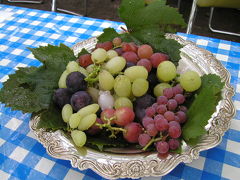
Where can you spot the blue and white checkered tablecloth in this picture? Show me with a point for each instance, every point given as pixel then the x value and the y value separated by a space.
pixel 22 157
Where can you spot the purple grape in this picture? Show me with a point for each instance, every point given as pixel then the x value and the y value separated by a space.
pixel 150 111
pixel 143 139
pixel 174 131
pixel 155 105
pixel 152 79
pixel 177 119
pixel 172 104
pixel 177 89
pixel 161 124
pixel 179 98
pixel 183 108
pixel 161 109
pixel 94 129
pixel 75 82
pixel 182 116
pixel 173 144
pixel 159 116
pixel 162 147
pixel 144 101
pixel 140 113
pixel 151 130
pixel 169 115
pixel 162 100
pixel 62 96
pixel 174 123
pixel 80 99
pixel 168 92
pixel 146 121
pixel 119 51
pixel 128 64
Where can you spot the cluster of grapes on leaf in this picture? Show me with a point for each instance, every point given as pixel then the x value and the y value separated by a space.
pixel 127 90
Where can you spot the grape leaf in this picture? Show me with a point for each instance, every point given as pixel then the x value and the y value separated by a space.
pixel 82 52
pixel 30 89
pixel 202 108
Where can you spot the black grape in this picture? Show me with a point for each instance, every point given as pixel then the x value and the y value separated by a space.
pixel 62 96
pixel 80 99
pixel 75 82
pixel 144 101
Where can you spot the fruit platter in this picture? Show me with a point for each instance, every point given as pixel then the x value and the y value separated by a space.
pixel 130 104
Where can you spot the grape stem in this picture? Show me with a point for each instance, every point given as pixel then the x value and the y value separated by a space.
pixel 153 140
pixel 93 76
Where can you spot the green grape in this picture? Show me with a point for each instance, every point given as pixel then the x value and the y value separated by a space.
pixel 74 120
pixel 87 122
pixel 94 93
pixel 139 87
pixel 158 89
pixel 83 71
pixel 90 68
pixel 79 137
pixel 72 66
pixel 135 72
pixel 99 55
pixel 190 81
pixel 111 54
pixel 66 112
pixel 122 86
pixel 90 109
pixel 115 65
pixel 166 71
pixel 62 80
pixel 106 80
pixel 123 102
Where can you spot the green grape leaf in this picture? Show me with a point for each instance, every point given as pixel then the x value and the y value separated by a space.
pixel 82 52
pixel 202 108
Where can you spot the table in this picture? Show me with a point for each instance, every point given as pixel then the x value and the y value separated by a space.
pixel 22 157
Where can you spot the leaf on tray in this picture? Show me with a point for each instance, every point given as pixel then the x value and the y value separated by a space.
pixel 202 108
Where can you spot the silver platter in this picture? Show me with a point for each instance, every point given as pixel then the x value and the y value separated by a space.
pixel 116 165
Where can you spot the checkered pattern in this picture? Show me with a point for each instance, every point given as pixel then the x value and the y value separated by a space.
pixel 22 157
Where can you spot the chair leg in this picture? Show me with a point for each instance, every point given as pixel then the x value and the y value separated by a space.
pixel 216 30
pixel 192 17
pixel 22 1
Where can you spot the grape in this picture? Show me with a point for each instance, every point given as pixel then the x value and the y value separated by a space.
pixel 126 47
pixel 158 116
pixel 143 139
pixel 79 138
pixel 80 99
pixel 75 82
pixel 136 72
pixel 155 105
pixel 139 87
pixel 106 80
pixel 162 100
pixel 157 58
pixel 128 64
pixel 119 51
pixel 179 98
pixel 66 112
pixel 177 119
pixel 90 109
pixel 151 130
pixel 174 131
pixel 124 116
pixel 74 120
pixel 123 102
pixel 173 144
pixel 140 113
pixel 105 45
pixel 152 79
pixel 168 92
pixel 174 123
pixel 99 55
pixel 166 71
pixel 111 54
pixel 182 116
pixel 177 89
pixel 172 104
pixel 162 147
pixel 145 63
pixel 94 129
pixel 130 56
pixel 108 114
pixel 89 69
pixel 94 93
pixel 117 41
pixel 145 51
pixel 105 100
pixel 87 121
pixel 133 47
pixel 161 109
pixel 158 89
pixel 72 66
pixel 122 86
pixel 62 96
pixel 190 81
pixel 169 115
pixel 85 60
pixel 183 108
pixel 150 111
pixel 146 121
pixel 133 130
pixel 161 124
pixel 144 101
pixel 115 65
pixel 162 155
pixel 62 80
pixel 83 71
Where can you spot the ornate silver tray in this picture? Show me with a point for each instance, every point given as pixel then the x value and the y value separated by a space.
pixel 122 165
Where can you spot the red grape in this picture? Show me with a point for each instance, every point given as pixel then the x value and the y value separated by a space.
pixel 179 98
pixel 107 114
pixel 177 89
pixel 145 63
pixel 168 92
pixel 182 116
pixel 161 109
pixel 105 45
pixel 124 116
pixel 157 58
pixel 145 51
pixel 143 139
pixel 130 56
pixel 146 121
pixel 162 100
pixel 85 60
pixel 162 147
pixel 151 130
pixel 174 131
pixel 94 129
pixel 133 130
pixel 126 47
pixel 169 115
pixel 150 111
pixel 173 144
pixel 172 104
pixel 183 108
pixel 119 51
pixel 161 124
pixel 174 123
pixel 117 41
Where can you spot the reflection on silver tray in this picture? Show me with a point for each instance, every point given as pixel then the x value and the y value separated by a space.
pixel 113 165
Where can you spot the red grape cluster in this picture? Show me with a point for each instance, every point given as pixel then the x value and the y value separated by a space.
pixel 162 121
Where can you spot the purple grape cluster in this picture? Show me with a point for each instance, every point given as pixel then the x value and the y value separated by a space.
pixel 162 121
